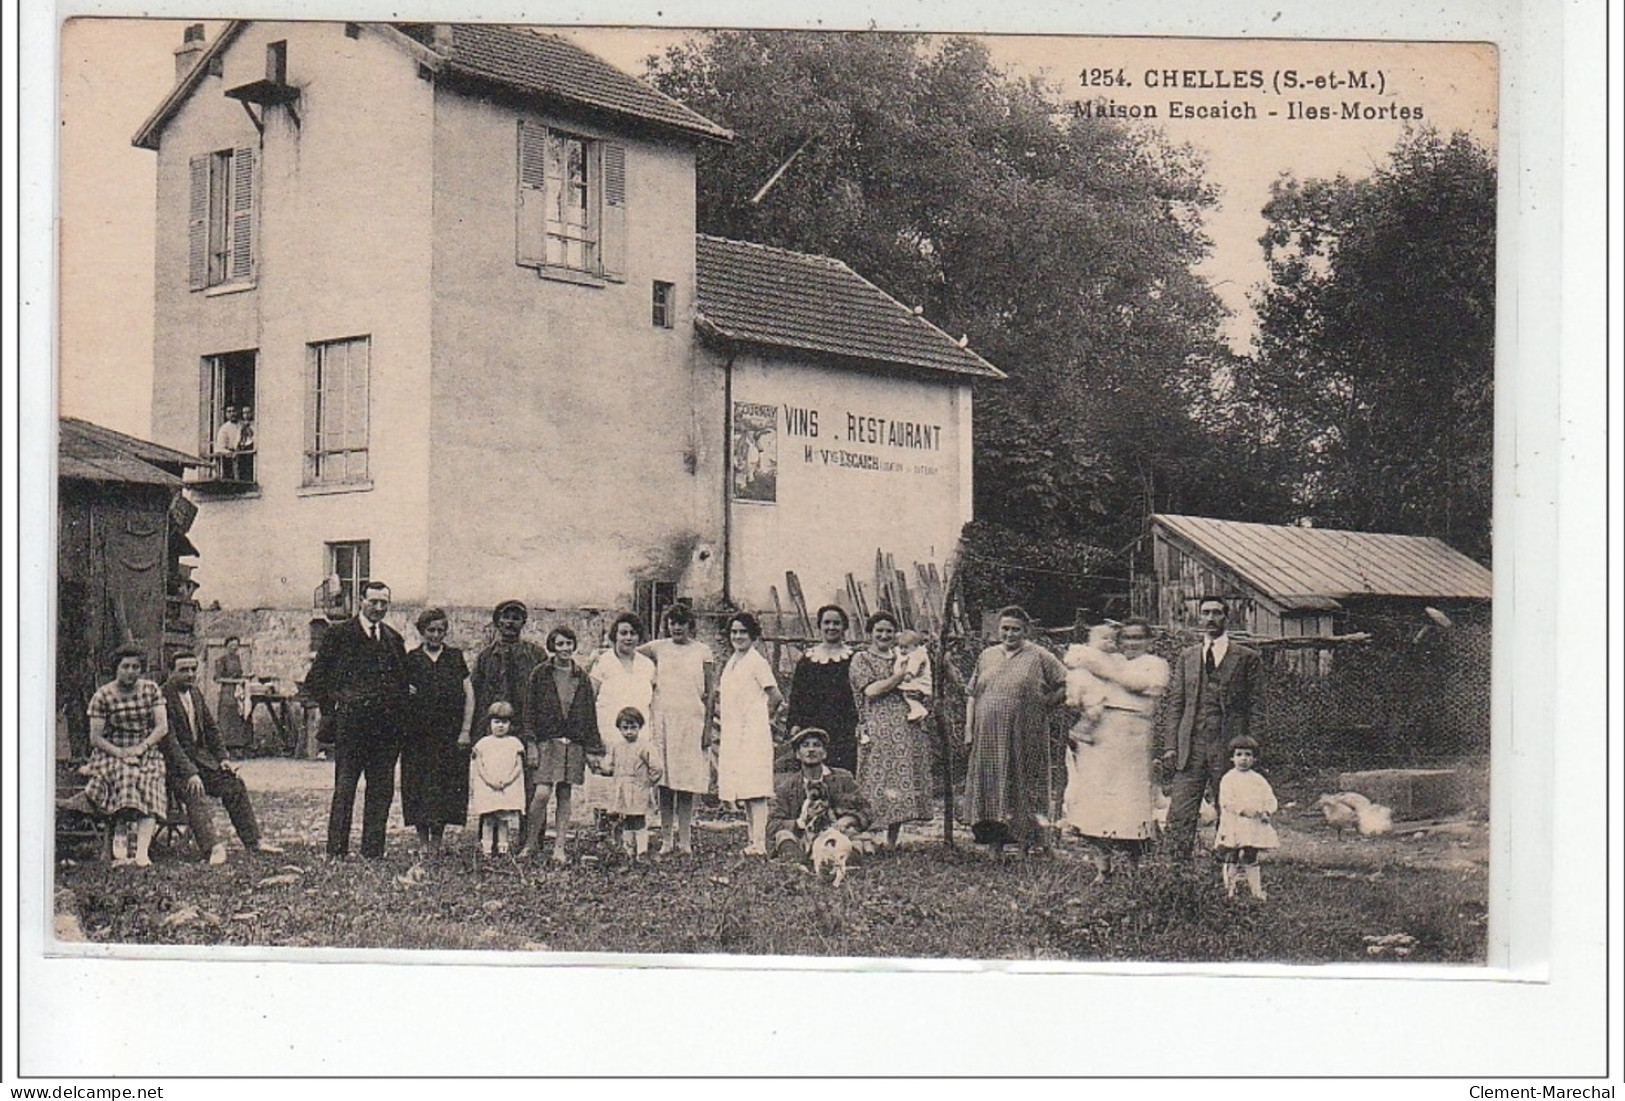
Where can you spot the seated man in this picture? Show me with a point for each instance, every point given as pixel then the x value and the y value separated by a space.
pixel 195 757
pixel 813 799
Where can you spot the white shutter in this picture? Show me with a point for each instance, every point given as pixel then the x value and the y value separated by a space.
pixel 530 237
pixel 197 224
pixel 242 215
pixel 205 406
pixel 612 210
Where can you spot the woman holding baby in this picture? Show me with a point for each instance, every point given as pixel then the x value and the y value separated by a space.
pixel 894 764
pixel 1115 685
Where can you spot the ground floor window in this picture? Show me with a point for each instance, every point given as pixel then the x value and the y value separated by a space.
pixel 349 567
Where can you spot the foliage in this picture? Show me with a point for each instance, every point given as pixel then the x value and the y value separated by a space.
pixel 1050 576
pixel 1062 246
pixel 1375 361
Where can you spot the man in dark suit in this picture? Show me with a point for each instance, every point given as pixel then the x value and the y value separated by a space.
pixel 359 677
pixel 1216 694
pixel 198 766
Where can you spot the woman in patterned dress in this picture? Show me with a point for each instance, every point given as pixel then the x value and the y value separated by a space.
pixel 748 698
pixel 434 757
pixel 821 690
pixel 1006 725
pixel 894 766
pixel 128 722
pixel 681 711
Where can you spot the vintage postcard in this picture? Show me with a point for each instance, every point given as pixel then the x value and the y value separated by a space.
pixel 739 497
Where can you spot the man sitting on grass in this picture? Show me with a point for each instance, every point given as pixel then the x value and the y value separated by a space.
pixel 198 766
pixel 813 799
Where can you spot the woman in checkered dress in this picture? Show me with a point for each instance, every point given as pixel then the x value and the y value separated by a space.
pixel 127 725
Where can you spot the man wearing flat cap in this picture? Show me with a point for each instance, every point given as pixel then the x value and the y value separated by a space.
pixel 502 669
pixel 813 799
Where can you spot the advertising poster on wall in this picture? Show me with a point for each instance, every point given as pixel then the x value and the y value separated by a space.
pixel 755 452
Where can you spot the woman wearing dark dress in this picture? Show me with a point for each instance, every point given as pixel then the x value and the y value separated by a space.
pixel 821 690
pixel 434 758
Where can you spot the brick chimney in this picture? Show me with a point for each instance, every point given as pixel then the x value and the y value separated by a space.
pixel 186 54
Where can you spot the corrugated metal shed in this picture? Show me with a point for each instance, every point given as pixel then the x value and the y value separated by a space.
pixel 1313 568
pixel 92 453
pixel 782 299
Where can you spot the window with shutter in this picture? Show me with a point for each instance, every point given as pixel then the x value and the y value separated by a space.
pixel 226 430
pixel 220 217
pixel 571 203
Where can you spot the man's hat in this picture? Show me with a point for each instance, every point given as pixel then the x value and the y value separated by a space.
pixel 496 613
pixel 806 731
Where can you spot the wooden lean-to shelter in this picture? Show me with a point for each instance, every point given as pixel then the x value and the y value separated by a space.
pixel 121 535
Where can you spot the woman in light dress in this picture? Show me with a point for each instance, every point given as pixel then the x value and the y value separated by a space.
pixel 1109 797
pixel 621 677
pixel 748 698
pixel 681 714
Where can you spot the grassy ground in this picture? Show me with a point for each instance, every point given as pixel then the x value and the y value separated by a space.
pixel 1327 897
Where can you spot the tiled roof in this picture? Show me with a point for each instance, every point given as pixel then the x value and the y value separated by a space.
pixel 522 58
pixel 92 453
pixel 548 65
pixel 769 296
pixel 1313 567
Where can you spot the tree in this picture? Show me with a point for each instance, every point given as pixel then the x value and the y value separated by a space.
pixel 1063 246
pixel 1375 360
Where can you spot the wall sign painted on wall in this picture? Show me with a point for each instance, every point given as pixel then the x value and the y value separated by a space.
pixel 755 452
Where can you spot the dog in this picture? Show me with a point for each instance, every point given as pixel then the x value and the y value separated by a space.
pixel 831 850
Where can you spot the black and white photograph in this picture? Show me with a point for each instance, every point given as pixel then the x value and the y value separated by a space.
pixel 1104 574
pixel 720 496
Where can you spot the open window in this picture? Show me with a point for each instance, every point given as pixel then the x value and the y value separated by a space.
pixel 226 426
pixel 221 218
pixel 571 203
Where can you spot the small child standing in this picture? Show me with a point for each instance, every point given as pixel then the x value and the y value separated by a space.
pixel 914 662
pixel 1246 802
pixel 494 780
pixel 633 772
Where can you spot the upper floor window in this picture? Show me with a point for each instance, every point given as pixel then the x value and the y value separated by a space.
pixel 664 305
pixel 221 219
pixel 336 411
pixel 226 417
pixel 571 203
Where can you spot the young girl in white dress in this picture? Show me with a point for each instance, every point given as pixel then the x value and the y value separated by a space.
pixel 631 770
pixel 1246 802
pixel 495 781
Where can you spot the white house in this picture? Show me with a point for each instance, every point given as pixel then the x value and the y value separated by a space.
pixel 453 272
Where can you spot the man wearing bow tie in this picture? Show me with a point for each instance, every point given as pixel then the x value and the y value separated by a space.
pixel 359 677
pixel 1216 694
